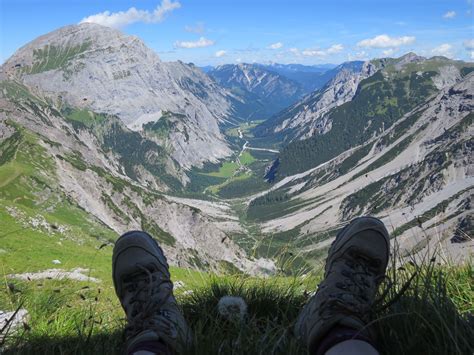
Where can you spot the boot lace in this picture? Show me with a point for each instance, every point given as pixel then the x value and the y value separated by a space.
pixel 354 295
pixel 150 291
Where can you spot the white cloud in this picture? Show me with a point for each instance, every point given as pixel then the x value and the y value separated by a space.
pixel 469 44
pixel 220 53
pixel 132 15
pixel 200 43
pixel 385 41
pixel 443 50
pixel 276 45
pixel 362 55
pixel 313 53
pixel 449 14
pixel 334 49
pixel 295 51
pixel 389 52
pixel 198 28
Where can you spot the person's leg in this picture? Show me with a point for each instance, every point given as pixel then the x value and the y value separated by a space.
pixel 143 285
pixel 353 347
pixel 335 320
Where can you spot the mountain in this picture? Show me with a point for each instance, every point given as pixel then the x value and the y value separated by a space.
pixel 266 90
pixel 206 68
pixel 294 68
pixel 414 172
pixel 355 106
pixel 97 68
pixel 310 77
pixel 306 117
pixel 83 177
pixel 96 133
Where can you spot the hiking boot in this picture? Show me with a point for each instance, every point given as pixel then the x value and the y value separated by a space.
pixel 355 266
pixel 143 285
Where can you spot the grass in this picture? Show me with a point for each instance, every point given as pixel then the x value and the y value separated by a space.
pixel 52 57
pixel 82 118
pixel 246 129
pixel 243 185
pixel 215 189
pixel 229 181
pixel 425 311
pixel 246 158
pixel 226 170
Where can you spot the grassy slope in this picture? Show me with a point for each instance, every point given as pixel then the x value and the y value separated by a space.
pixel 28 184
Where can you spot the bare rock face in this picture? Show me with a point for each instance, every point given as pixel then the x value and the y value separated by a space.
pixel 12 321
pixel 407 59
pixel 448 76
pixel 99 68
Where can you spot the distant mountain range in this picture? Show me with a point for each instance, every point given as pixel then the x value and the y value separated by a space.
pixel 268 91
pixel 310 77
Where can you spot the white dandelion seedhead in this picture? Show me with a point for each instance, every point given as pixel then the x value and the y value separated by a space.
pixel 178 284
pixel 232 308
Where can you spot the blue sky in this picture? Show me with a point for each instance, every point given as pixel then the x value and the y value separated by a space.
pixel 228 31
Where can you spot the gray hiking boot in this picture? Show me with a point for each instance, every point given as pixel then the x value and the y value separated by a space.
pixel 142 283
pixel 355 266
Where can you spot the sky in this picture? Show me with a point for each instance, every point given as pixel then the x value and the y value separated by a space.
pixel 212 32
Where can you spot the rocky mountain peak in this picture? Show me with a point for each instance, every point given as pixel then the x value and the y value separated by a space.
pixel 75 40
pixel 98 68
pixel 408 58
